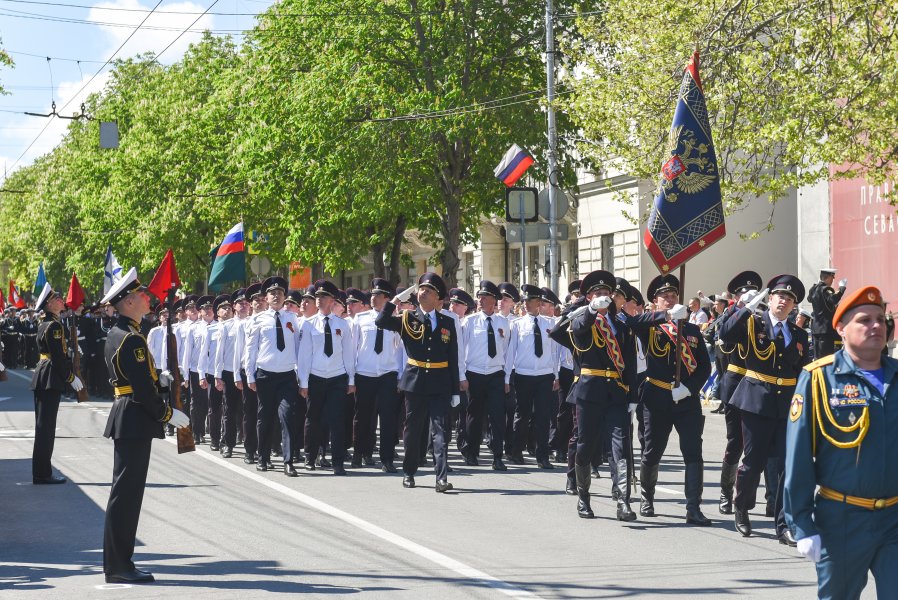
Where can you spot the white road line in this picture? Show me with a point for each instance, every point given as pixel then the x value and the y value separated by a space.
pixel 668 490
pixel 406 544
pixel 19 375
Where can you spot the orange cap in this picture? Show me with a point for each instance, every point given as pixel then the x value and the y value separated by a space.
pixel 862 297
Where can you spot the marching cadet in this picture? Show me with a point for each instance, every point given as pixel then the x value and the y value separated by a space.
pixel 272 344
pixel 137 416
pixel 533 357
pixel 377 368
pixel 184 337
pixel 430 379
pixel 824 300
pixel 776 351
pixel 10 336
pixel 668 404
pixel 52 376
pixel 193 345
pixel 221 312
pixel 224 370
pixel 509 299
pixel 29 338
pixel 485 336
pixel 841 437
pixel 326 376
pixel 246 315
pixel 561 416
pixel 460 304
pixel 355 302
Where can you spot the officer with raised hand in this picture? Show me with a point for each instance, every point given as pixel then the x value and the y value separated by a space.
pixel 824 300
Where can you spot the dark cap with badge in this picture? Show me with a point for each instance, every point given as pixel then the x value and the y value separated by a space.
pixel 434 282
pixel 744 282
pixel 341 297
pixel 355 295
pixel 459 296
pixel 238 295
pixel 574 286
pixel 383 287
pixel 623 286
pixel 205 301
pixel 274 283
pixel 323 287
pixel 309 292
pixel 488 288
pixel 221 300
pixel 190 301
pixel 597 280
pixel 787 284
pixel 662 284
pixel 550 296
pixel 531 292
pixel 509 290
pixel 254 290
pixel 294 297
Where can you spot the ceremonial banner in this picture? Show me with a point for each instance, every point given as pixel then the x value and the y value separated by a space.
pixel 14 298
pixel 112 271
pixel 166 277
pixel 40 281
pixel 513 166
pixel 687 215
pixel 75 298
pixel 230 259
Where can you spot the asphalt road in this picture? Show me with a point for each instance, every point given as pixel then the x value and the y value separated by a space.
pixel 212 527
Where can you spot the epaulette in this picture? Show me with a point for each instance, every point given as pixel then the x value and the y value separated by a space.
pixel 820 362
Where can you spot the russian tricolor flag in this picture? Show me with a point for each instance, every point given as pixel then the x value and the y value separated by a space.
pixel 229 263
pixel 515 162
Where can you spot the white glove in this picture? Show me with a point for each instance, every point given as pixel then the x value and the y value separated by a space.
pixel 599 302
pixel 747 296
pixel 756 301
pixel 406 294
pixel 678 312
pixel 165 378
pixel 680 392
pixel 631 408
pixel 810 548
pixel 843 283
pixel 178 419
pixel 77 385
pixel 2 368
pixel 456 400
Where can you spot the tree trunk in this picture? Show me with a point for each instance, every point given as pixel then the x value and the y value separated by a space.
pixel 456 164
pixel 396 248
pixel 377 257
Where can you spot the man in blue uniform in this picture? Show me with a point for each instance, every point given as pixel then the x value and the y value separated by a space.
pixel 841 437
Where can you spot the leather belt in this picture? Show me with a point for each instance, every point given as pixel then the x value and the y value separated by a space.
pixel 600 373
pixel 427 364
pixel 661 384
pixel 737 369
pixel 770 378
pixel 125 390
pixel 45 356
pixel 868 503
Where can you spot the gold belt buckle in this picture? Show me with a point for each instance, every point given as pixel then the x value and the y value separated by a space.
pixel 879 504
pixel 426 364
pixel 779 381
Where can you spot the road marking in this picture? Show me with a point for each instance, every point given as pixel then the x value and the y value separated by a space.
pixel 5 398
pixel 19 375
pixel 661 488
pixel 406 544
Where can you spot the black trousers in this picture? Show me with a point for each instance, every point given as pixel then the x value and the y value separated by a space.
pixel 199 406
pixel 824 345
pixel 278 397
pixel 232 402
pixel 250 417
pixel 46 407
pixel 129 478
pixel 661 417
pixel 563 423
pixel 418 408
pixel 733 421
pixel 511 401
pixel 763 438
pixel 534 400
pixel 376 397
pixel 600 421
pixel 327 409
pixel 215 408
pixel 486 401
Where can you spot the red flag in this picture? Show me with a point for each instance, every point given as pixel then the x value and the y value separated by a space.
pixel 75 298
pixel 166 277
pixel 2 301
pixel 14 298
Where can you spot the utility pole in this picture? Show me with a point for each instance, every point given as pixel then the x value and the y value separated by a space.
pixel 553 140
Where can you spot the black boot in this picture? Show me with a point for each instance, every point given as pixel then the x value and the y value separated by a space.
pixel 570 488
pixel 743 523
pixel 727 481
pixel 615 491
pixel 695 474
pixel 622 486
pixel 584 510
pixel 648 477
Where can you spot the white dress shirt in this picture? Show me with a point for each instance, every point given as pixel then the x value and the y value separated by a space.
pixel 181 331
pixel 241 327
pixel 364 335
pixel 521 354
pixel 698 317
pixel 311 349
pixel 208 349
pixel 475 340
pixel 261 343
pixel 157 346
pixel 193 343
pixel 227 345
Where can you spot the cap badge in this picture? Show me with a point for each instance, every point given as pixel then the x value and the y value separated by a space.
pixel 871 296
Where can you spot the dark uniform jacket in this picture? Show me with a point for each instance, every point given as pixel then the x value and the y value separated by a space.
pixel 824 300
pixel 734 354
pixel 423 346
pixel 54 370
pixel 592 353
pixel 771 366
pixel 138 410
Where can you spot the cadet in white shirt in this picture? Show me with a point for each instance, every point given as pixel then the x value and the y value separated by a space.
pixel 193 342
pixel 326 374
pixel 245 315
pixel 272 343
pixel 221 308
pixel 223 373
pixel 533 357
pixel 159 351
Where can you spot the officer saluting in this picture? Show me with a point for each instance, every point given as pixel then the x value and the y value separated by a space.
pixel 841 437
pixel 137 416
pixel 52 376
pixel 430 379
pixel 824 300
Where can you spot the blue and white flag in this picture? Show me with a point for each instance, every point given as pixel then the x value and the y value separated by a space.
pixel 112 271
pixel 40 281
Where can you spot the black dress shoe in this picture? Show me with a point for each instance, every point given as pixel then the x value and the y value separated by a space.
pixel 263 466
pixel 570 487
pixel 770 509
pixel 595 473
pixel 544 464
pixel 368 460
pixel 339 470
pixel 408 481
pixel 498 465
pixel 743 523
pixel 135 576
pixel 442 486
pixel 310 465
pixel 51 480
pixel 471 460
pixel 323 462
pixel 787 539
pixel 250 458
pixel 227 452
pixel 290 471
pixel 449 468
pixel 356 462
pixel 517 459
pixel 214 447
pixel 388 467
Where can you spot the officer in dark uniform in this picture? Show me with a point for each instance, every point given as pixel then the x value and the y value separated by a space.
pixel 138 415
pixel 430 379
pixel 52 376
pixel 775 352
pixel 29 335
pixel 88 328
pixel 824 300
pixel 666 404
pixel 105 322
pixel 10 336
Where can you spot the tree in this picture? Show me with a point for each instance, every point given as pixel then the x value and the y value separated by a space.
pixel 792 87
pixel 5 61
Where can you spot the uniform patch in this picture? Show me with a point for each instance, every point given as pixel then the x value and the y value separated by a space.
pixel 57 334
pixel 140 354
pixel 796 407
pixel 444 335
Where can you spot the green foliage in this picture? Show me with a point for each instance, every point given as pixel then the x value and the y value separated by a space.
pixel 5 61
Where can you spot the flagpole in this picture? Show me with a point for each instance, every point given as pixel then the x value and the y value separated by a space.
pixel 554 261
pixel 680 324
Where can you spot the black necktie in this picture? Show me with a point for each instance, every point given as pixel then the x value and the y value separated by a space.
pixel 379 341
pixel 538 340
pixel 490 338
pixel 778 331
pixel 279 332
pixel 328 338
